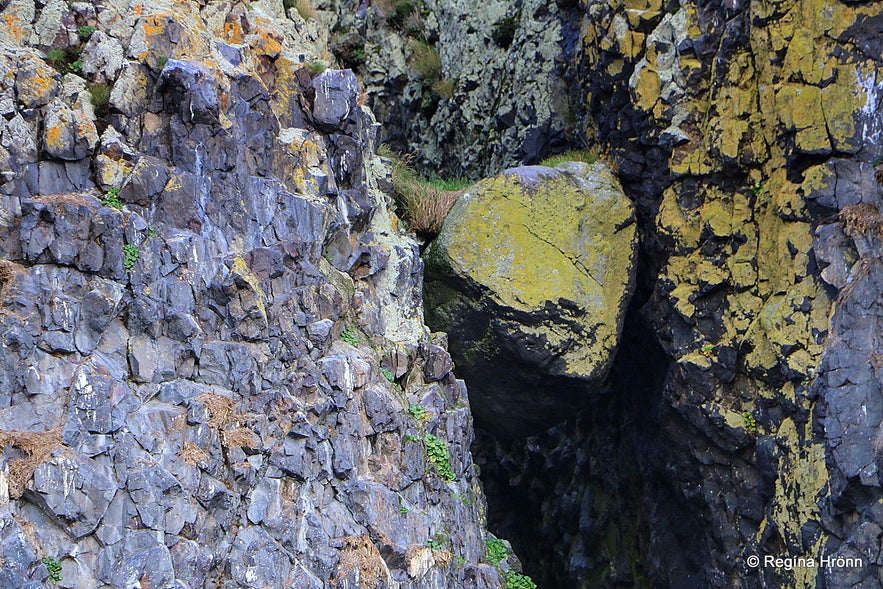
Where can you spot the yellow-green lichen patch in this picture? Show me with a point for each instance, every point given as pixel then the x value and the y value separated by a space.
pixel 554 244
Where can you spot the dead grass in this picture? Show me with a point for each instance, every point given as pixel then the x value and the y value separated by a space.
pixel 304 8
pixel 193 454
pixel 862 219
pixel 240 437
pixel 445 88
pixel 219 407
pixel 225 420
pixel 421 204
pixel 68 198
pixel 34 448
pixel 361 556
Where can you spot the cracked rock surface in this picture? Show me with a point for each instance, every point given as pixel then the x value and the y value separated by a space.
pixel 531 276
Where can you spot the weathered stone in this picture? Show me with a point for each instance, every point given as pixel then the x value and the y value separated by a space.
pixel 336 93
pixel 532 283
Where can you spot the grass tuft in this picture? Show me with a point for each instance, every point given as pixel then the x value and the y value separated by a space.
pixel 577 155
pixel 423 203
pixel 425 61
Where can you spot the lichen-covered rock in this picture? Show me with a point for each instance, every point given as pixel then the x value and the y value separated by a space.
pixel 503 67
pixel 531 276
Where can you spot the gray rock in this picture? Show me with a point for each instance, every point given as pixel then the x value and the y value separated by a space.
pixel 336 94
pixel 76 491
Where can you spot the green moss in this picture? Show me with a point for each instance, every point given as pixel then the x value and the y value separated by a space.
pixel 85 32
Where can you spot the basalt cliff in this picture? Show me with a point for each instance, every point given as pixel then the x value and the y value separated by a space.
pixel 216 364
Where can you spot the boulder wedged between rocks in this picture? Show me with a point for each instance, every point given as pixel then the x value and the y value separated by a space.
pixel 531 276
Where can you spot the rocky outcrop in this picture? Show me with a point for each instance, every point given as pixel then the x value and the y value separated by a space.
pixel 215 370
pixel 745 133
pixel 531 276
pixel 501 91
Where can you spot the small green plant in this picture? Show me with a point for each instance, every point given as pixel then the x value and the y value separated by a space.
pixel 161 62
pixel 53 566
pixel 100 95
pixel 65 60
pixel 388 375
pixel 757 188
pixel 578 155
pixel 418 412
pixel 425 61
pixel 151 232
pixel 706 350
pixel 403 509
pixel 749 421
pixel 437 451
pixel 316 67
pixel 437 542
pixel 877 161
pixel 411 438
pixel 130 256
pixel 349 336
pixel 111 198
pixel 85 32
pixel 496 550
pixel 518 581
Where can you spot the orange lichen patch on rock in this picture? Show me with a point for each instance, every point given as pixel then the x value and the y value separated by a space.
pixel 33 449
pixel 361 563
pixel 268 43
pixel 35 82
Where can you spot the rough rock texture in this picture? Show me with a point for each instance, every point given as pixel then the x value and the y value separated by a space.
pixel 747 134
pixel 212 328
pixel 503 95
pixel 531 277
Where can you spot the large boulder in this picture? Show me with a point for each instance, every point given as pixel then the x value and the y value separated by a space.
pixel 531 276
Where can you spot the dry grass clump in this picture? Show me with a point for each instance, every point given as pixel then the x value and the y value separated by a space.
pixel 304 8
pixel 223 418
pixel 445 88
pixel 240 437
pixel 193 454
pixel 219 407
pixel 359 555
pixel 35 448
pixel 862 218
pixel 423 203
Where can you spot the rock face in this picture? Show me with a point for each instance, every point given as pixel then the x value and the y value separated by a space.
pixel 212 330
pixel 531 276
pixel 501 94
pixel 747 135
